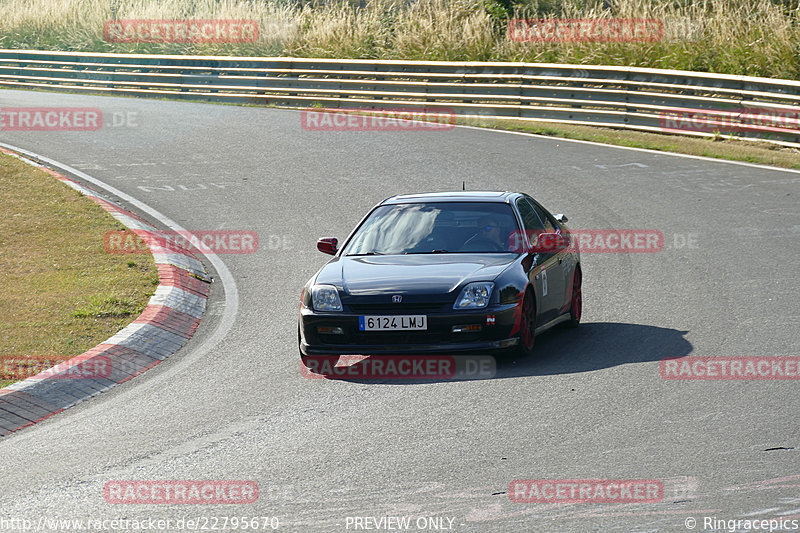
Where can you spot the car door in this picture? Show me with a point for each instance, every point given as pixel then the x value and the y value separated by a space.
pixel 562 264
pixel 543 269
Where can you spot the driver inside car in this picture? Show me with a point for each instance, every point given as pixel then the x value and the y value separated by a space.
pixel 487 239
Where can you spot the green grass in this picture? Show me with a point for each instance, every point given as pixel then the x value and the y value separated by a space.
pixel 62 293
pixel 748 37
pixel 107 307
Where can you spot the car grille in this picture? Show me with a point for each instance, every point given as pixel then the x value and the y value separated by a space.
pixel 410 309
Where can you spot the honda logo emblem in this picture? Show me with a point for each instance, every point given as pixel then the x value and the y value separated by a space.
pixel 396 299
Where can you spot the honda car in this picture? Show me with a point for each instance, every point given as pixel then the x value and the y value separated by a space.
pixel 453 272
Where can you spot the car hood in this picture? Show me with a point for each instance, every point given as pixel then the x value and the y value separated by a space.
pixel 429 274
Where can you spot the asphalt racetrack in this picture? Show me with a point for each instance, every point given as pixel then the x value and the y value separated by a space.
pixel 592 403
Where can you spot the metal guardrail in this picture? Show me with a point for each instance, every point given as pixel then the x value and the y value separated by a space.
pixel 691 103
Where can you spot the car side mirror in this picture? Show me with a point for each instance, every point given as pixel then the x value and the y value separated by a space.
pixel 327 245
pixel 549 243
pixel 561 217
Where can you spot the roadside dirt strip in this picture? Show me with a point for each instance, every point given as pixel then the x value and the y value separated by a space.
pixel 169 320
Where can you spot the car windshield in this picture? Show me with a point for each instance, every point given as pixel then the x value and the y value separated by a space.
pixel 440 227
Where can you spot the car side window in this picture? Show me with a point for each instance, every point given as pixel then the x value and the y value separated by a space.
pixel 530 220
pixel 548 221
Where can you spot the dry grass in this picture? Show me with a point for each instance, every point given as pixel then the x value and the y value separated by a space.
pixel 62 293
pixel 751 37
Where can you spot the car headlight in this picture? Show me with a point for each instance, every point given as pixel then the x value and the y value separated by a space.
pixel 325 298
pixel 474 295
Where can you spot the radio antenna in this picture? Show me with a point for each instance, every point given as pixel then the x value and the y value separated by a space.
pixel 463 185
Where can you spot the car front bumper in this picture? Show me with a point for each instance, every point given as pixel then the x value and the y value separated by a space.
pixel 498 330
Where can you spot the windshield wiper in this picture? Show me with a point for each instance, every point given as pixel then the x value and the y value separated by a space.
pixel 367 253
pixel 431 252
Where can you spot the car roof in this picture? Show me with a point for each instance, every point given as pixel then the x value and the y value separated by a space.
pixel 452 196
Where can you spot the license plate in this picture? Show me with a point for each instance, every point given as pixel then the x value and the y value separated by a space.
pixel 393 323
